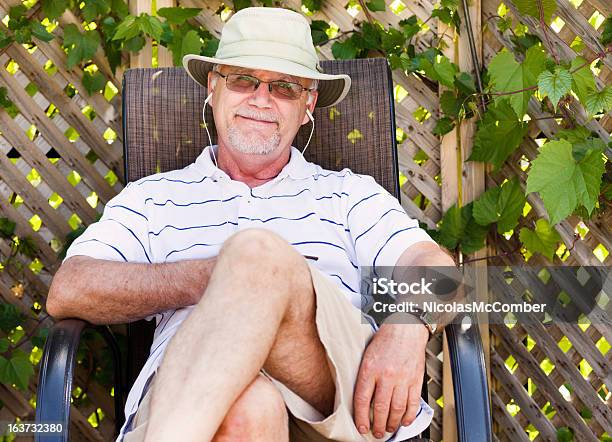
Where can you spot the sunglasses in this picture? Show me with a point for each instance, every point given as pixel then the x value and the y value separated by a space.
pixel 246 84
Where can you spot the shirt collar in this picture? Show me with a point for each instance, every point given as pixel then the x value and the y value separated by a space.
pixel 297 167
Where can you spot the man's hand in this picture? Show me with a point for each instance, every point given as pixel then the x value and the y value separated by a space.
pixel 390 377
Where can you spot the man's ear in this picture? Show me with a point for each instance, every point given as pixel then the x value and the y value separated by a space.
pixel 310 104
pixel 212 81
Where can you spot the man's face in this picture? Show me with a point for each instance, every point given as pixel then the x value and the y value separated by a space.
pixel 257 122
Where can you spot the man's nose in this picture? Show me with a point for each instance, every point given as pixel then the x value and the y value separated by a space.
pixel 261 97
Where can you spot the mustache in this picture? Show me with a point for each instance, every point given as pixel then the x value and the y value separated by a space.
pixel 258 115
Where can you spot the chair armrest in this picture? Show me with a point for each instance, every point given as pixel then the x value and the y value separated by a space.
pixel 56 377
pixel 469 382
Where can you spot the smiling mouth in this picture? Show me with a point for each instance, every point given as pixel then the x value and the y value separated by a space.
pixel 256 120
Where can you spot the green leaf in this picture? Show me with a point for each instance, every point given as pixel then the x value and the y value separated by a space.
pixel 120 8
pixel 127 29
pixel 410 26
pixel 474 237
pixel 52 9
pixel 17 370
pixel 441 70
pixel 458 229
pixel 371 35
pixel 312 5
pixel 584 147
pixel 499 133
pixel 134 44
pixel 150 25
pixel 502 205
pixel 555 84
pixel 450 104
pixel 40 339
pixel 543 240
pixel 344 50
pixel 40 32
pixel 27 247
pixel 241 4
pixel 452 226
pixel 80 47
pixel 5 39
pixel 178 16
pixel 4 345
pixel 599 101
pixel 532 8
pixel 564 183
pixel 7 227
pixel 190 44
pixel 93 83
pixel 94 8
pixel 465 83
pixel 582 141
pixel 6 103
pixel 443 126
pixel 606 31
pixel 376 5
pixel 392 40
pixel 582 79
pixel 10 317
pixel 506 75
pixel 318 31
pixel 565 434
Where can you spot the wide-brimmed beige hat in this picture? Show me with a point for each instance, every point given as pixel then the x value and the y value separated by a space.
pixel 271 39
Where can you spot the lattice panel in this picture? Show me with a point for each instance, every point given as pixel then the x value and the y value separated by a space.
pixel 60 162
pixel 548 377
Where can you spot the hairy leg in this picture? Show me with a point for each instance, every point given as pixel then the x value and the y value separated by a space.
pixel 257 311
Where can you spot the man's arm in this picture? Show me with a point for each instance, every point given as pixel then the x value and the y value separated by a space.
pixel 392 369
pixel 106 292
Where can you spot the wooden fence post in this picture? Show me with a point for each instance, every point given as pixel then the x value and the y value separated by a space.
pixel 143 58
pixel 164 56
pixel 461 183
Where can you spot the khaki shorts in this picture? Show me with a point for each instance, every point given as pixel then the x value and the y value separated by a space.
pixel 345 337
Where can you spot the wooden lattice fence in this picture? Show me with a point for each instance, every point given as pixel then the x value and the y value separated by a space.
pixel 61 161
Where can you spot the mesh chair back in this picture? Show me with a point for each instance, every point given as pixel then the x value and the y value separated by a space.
pixel 163 130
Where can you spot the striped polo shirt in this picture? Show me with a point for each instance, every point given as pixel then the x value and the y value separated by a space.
pixel 344 220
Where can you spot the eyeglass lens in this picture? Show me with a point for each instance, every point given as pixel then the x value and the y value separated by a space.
pixel 278 88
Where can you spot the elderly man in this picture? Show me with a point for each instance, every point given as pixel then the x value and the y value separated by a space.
pixel 249 259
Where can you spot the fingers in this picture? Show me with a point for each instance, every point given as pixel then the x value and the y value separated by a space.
pixel 414 404
pixel 364 389
pixel 398 407
pixel 382 402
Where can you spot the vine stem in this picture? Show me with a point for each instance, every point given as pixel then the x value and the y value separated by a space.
pixel 508 253
pixel 545 31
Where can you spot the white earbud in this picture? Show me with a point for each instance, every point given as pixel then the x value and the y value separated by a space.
pixel 208 98
pixel 310 117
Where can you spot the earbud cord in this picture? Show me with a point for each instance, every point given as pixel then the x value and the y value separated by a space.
pixel 207 132
pixel 311 130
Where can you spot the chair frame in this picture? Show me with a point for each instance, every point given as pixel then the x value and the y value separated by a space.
pixel 472 402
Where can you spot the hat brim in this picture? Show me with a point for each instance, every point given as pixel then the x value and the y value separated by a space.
pixel 331 90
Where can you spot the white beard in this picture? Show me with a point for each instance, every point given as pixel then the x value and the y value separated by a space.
pixel 252 144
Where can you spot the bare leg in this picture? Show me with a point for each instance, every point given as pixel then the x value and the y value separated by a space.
pixel 258 415
pixel 258 311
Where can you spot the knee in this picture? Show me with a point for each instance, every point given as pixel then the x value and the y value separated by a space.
pixel 259 411
pixel 260 249
pixel 254 242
